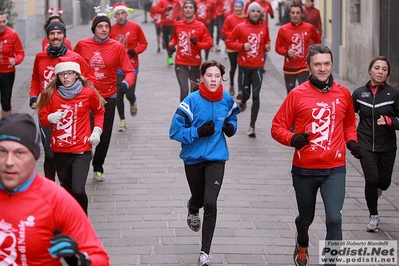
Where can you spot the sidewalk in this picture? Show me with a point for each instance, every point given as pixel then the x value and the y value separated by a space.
pixel 139 212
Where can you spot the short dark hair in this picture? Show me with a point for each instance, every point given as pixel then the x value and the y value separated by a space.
pixel 205 65
pixel 296 5
pixel 318 49
pixel 380 58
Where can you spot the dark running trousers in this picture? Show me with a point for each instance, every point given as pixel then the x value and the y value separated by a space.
pixel 205 181
pixel 377 169
pixel 72 171
pixel 332 190
pixel 102 148
pixel 130 95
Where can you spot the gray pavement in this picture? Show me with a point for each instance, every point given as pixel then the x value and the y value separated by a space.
pixel 139 212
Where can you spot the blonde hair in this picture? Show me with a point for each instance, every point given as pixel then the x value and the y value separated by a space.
pixel 52 86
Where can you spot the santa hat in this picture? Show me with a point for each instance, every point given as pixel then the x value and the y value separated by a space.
pixel 119 6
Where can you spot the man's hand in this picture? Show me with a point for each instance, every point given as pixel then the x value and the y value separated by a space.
pixel 356 150
pixel 65 246
pixel 32 102
pixel 300 140
pixel 132 52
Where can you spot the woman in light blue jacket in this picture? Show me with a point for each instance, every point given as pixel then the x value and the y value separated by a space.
pixel 200 123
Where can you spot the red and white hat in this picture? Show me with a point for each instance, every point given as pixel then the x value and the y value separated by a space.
pixel 119 6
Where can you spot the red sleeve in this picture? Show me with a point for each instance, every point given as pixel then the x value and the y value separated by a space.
pixel 232 41
pixel 283 120
pixel 35 87
pixel 280 42
pixel 142 46
pixel 97 111
pixel 315 36
pixel 226 28
pixel 71 220
pixel 18 50
pixel 126 66
pixel 206 40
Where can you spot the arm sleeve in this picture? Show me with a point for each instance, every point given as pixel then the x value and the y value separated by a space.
pixel 18 50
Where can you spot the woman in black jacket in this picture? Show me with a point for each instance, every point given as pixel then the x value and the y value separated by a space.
pixel 377 104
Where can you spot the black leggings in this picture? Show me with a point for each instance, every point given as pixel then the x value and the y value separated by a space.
pixel 48 165
pixel 233 56
pixel 290 80
pixel 377 169
pixel 205 181
pixel 72 171
pixel 184 75
pixel 332 189
pixel 250 78
pixel 6 84
pixel 102 148
pixel 130 95
pixel 167 32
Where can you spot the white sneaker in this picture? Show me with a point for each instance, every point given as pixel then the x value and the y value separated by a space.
pixel 251 132
pixel 204 259
pixel 374 224
pixel 98 177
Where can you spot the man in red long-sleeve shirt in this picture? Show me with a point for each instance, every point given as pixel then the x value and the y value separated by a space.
pixel 251 39
pixel 292 42
pixel 132 37
pixel 190 36
pixel 105 56
pixel 11 54
pixel 322 113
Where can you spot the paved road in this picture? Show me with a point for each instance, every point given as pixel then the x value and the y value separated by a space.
pixel 139 211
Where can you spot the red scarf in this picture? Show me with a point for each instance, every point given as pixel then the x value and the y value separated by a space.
pixel 209 95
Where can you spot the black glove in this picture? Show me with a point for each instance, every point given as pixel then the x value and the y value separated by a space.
pixel 300 140
pixel 66 247
pixel 32 100
pixel 207 129
pixel 193 40
pixel 123 88
pixel 228 129
pixel 356 150
pixel 169 8
pixel 172 49
pixel 132 52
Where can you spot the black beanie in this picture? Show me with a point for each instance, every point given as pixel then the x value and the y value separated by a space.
pixel 98 19
pixel 56 25
pixel 191 2
pixel 20 127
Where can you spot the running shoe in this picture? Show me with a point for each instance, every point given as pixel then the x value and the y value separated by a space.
pixel 122 126
pixel 98 177
pixel 193 219
pixel 204 259
pixel 170 61
pixel 243 106
pixel 231 90
pixel 374 224
pixel 133 109
pixel 301 255
pixel 251 132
